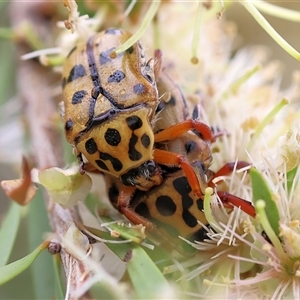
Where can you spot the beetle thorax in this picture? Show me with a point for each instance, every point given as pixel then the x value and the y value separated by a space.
pixel 119 144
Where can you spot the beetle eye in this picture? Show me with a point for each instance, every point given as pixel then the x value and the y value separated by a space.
pixel 151 166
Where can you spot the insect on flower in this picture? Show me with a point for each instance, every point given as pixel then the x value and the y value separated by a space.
pixel 109 106
pixel 172 206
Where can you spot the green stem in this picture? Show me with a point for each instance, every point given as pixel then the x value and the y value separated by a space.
pixel 145 24
pixel 196 36
pixel 270 30
pixel 234 87
pixel 260 210
pixel 267 120
pixel 277 11
pixel 207 209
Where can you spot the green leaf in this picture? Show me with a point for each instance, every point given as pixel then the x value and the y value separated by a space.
pixel 134 234
pixel 261 191
pixel 146 278
pixel 59 289
pixel 143 272
pixel 8 232
pixel 290 176
pixel 12 270
pixel 38 225
pixel 103 290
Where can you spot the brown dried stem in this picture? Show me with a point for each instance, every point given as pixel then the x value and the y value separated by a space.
pixel 34 87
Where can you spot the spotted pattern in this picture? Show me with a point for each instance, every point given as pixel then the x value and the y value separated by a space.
pixel 133 154
pixel 199 203
pixel 91 146
pixel 78 96
pixel 116 76
pixel 145 139
pixel 134 122
pixel 182 186
pixel 69 125
pixel 77 71
pixel 143 210
pixel 101 165
pixel 139 89
pixel 104 56
pixel 116 163
pixel 165 206
pixel 112 137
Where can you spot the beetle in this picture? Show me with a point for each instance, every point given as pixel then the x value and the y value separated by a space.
pixel 109 105
pixel 171 209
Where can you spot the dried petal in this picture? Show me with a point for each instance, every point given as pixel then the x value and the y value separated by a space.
pixel 65 187
pixel 21 191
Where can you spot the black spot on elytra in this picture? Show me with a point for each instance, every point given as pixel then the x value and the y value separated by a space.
pixel 134 122
pixel 113 31
pixel 133 154
pixel 101 165
pixel 69 125
pixel 145 139
pixel 116 163
pixel 91 146
pixel 104 56
pixel 76 72
pixel 200 234
pixel 182 186
pixel 116 76
pixel 112 137
pixel 190 146
pixel 165 206
pixel 139 89
pixel 143 210
pixel 199 203
pixel 73 49
pixel 78 96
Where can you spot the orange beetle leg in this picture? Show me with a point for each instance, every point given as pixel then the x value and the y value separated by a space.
pixel 170 158
pixel 228 169
pixel 244 205
pixel 124 198
pixel 179 129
